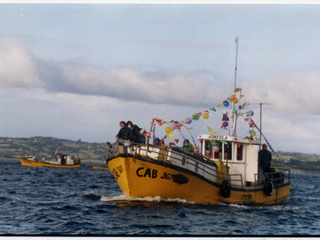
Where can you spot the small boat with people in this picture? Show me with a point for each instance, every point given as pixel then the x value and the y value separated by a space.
pixel 61 161
pixel 224 168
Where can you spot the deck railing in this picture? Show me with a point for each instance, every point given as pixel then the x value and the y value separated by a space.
pixel 205 165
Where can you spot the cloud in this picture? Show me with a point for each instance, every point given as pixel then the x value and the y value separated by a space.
pixel 17 65
pixel 124 83
pixel 295 93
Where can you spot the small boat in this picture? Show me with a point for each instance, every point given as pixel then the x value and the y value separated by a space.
pixel 104 168
pixel 62 161
pixel 224 169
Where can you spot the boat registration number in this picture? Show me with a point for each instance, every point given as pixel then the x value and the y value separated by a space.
pixel 153 173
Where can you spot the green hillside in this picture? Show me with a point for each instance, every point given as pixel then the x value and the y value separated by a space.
pixel 45 147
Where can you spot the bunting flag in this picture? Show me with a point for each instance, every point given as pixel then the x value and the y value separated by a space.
pixel 239 144
pixel 223 128
pixel 170 135
pixel 195 117
pixel 224 142
pixel 204 113
pixel 274 152
pixel 211 130
pixel 171 144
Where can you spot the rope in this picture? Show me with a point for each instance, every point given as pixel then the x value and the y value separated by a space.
pixel 274 152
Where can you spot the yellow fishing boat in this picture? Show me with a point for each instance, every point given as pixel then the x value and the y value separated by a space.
pixel 62 161
pixel 224 169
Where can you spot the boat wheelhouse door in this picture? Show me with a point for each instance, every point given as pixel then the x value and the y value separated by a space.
pixel 63 160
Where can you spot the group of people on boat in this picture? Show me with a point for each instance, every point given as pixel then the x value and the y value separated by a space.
pixel 129 133
pixel 187 146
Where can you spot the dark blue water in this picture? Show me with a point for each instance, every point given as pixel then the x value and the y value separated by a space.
pixel 85 201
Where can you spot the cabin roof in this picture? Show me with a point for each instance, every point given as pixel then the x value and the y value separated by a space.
pixel 216 137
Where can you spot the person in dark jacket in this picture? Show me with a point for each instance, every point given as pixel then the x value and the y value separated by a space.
pixel 136 134
pixel 265 159
pixel 130 125
pixel 124 134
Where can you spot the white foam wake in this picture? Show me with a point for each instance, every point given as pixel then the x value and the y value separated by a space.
pixel 144 199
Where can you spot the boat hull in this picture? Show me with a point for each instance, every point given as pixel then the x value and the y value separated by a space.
pixel 30 163
pixel 103 168
pixel 138 177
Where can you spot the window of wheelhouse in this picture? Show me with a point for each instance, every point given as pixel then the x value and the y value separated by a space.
pixel 239 151
pixel 218 154
pixel 207 149
pixel 228 151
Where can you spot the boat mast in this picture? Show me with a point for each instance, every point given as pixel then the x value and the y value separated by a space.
pixel 234 123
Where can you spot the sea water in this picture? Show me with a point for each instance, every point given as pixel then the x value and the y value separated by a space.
pixel 87 201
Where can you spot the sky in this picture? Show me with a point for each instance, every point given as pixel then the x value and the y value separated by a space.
pixel 74 71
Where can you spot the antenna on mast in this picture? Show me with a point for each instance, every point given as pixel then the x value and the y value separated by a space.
pixel 234 123
pixel 260 116
pixel 235 69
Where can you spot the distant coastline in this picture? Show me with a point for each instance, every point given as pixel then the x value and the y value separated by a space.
pixel 45 147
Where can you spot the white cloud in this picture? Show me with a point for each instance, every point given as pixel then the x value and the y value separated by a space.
pixel 17 65
pixel 295 94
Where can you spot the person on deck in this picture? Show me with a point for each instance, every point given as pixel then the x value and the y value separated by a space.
pixel 265 159
pixel 137 136
pixel 125 135
pixel 156 141
pixel 130 125
pixel 187 146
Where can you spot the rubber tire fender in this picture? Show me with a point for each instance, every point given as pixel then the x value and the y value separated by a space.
pixel 268 187
pixel 225 189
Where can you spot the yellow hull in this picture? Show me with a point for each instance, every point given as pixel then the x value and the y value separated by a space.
pixel 29 163
pixel 141 178
pixel 104 168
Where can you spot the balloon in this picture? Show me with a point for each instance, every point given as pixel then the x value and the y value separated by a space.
pixel 225 124
pixel 216 149
pixel 225 103
pixel 250 113
pixel 234 111
pixel 235 100
pixel 173 126
pixel 168 130
pixel 205 115
pixel 232 97
pixel 188 121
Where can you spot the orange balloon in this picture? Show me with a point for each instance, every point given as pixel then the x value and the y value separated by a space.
pixel 232 97
pixel 235 100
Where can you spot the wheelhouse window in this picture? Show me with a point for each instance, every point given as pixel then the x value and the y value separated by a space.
pixel 218 154
pixel 208 149
pixel 239 151
pixel 228 151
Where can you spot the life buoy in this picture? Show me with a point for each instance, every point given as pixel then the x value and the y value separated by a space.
pixel 268 187
pixel 225 189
